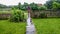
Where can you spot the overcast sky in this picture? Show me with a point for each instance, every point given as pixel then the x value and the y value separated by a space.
pixel 15 2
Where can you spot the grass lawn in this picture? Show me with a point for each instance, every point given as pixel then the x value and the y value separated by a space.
pixel 47 26
pixel 7 27
pixel 5 12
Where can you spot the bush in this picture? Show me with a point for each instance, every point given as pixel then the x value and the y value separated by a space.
pixel 17 15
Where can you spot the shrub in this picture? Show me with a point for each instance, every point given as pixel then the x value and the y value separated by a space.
pixel 17 15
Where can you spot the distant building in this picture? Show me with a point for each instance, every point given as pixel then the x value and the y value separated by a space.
pixel 39 4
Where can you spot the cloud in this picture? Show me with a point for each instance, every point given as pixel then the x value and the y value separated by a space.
pixel 15 2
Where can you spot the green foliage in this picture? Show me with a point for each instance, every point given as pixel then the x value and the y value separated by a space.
pixel 53 4
pixel 42 8
pixel 34 6
pixel 17 15
pixel 24 6
pixel 49 4
pixel 19 6
pixel 56 5
pixel 2 6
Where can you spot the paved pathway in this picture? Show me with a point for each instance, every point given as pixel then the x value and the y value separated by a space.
pixel 30 28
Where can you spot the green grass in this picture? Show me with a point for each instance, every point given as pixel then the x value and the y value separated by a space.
pixel 7 27
pixel 47 26
pixel 5 12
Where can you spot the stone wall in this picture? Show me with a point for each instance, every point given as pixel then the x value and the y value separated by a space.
pixel 49 13
pixel 4 16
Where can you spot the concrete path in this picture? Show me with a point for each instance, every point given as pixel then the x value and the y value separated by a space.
pixel 30 28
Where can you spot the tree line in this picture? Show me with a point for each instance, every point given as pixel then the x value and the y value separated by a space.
pixel 50 4
pixel 53 4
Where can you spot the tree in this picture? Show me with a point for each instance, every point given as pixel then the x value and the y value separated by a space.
pixel 19 6
pixel 42 8
pixel 34 6
pixel 3 6
pixel 56 6
pixel 49 4
pixel 24 6
pixel 58 1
